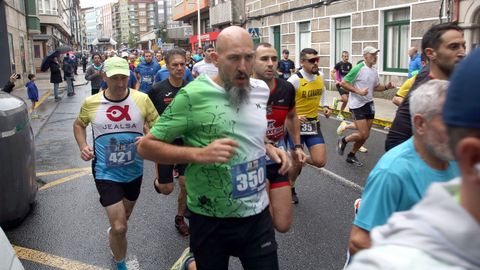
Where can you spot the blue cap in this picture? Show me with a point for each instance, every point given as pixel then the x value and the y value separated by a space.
pixel 463 96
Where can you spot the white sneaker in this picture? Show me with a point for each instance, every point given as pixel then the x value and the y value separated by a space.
pixel 362 149
pixel 341 128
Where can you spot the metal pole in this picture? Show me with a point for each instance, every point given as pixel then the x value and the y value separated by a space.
pixel 198 24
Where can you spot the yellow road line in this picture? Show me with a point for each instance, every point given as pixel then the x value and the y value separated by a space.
pixel 64 179
pixel 41 100
pixel 64 171
pixel 52 260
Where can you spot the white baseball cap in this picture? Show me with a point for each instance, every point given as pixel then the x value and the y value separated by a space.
pixel 369 49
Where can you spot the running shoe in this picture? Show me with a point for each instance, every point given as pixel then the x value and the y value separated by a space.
pixel 181 226
pixel 122 265
pixel 340 116
pixel 353 160
pixel 341 128
pixel 362 149
pixel 184 260
pixel 294 196
pixel 340 146
pixel 335 103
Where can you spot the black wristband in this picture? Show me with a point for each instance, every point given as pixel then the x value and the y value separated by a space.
pixel 297 146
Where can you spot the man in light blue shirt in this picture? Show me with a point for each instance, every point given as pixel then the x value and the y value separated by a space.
pixel 403 174
pixel 415 63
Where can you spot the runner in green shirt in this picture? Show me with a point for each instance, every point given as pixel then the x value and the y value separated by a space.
pixel 222 121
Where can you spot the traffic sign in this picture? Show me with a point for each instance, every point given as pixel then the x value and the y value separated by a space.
pixel 254 32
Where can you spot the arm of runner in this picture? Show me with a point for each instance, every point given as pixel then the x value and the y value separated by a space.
pixel 397 100
pixel 323 101
pixel 293 127
pixel 359 239
pixel 151 148
pixel 279 156
pixel 381 88
pixel 80 133
pixel 362 92
pixel 332 74
pixel 137 85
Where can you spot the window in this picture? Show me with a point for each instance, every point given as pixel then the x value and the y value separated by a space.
pixel 304 36
pixel 342 37
pixel 21 5
pixel 142 5
pixel 36 49
pixel 48 7
pixel 142 13
pixel 277 40
pixel 397 33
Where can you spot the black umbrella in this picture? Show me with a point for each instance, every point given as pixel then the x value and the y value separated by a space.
pixel 63 49
pixel 48 59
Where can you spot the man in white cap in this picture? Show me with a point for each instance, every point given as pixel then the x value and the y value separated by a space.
pixel 118 116
pixel 361 81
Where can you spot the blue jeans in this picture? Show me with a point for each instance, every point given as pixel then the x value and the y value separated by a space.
pixel 55 90
pixel 69 85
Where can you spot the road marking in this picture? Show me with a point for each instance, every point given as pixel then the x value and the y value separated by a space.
pixel 337 177
pixel 64 179
pixel 41 100
pixel 52 260
pixel 64 171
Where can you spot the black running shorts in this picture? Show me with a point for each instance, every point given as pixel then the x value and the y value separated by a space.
pixel 367 111
pixel 112 192
pixel 275 179
pixel 213 240
pixel 165 172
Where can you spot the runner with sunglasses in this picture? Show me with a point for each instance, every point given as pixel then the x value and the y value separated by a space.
pixel 309 88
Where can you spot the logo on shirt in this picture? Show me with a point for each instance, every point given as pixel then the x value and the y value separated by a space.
pixel 117 113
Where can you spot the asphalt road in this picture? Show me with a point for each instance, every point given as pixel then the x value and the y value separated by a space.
pixel 69 222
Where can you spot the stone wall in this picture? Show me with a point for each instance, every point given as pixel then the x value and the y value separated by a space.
pixel 17 27
pixel 366 25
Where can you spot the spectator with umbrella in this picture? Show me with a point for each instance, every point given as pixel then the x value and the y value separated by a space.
pixel 55 76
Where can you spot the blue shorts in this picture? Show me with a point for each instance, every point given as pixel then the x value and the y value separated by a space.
pixel 308 140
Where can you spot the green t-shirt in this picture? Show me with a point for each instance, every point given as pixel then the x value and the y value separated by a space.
pixel 202 113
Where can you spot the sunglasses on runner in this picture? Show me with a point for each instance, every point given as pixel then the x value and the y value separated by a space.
pixel 314 60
